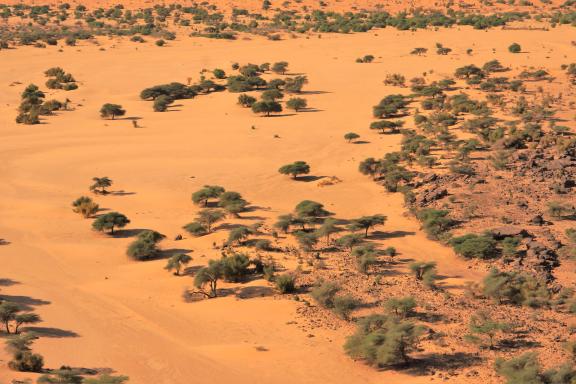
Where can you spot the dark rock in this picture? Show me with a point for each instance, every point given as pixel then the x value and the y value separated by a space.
pixel 509 231
pixel 537 220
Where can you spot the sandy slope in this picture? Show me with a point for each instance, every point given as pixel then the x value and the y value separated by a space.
pixel 105 311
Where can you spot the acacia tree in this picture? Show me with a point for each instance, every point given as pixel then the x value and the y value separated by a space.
pixel 296 103
pixel 209 217
pixel 349 241
pixel 284 222
pixel 145 246
pixel 383 340
pixel 85 206
pixel 350 136
pixel 100 185
pixel 327 228
pixel 209 275
pixel 111 110
pixel 109 221
pixel 306 240
pixel 23 359
pixel 10 315
pixel 272 95
pixel 266 107
pixel 246 100
pixel 239 234
pixel 295 84
pixel 175 262
pixel 367 222
pixel 280 67
pixel 295 169
pixel 481 324
pixel 207 192
pixel 232 202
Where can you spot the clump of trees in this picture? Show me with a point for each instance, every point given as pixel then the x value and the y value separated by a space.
pixel 58 79
pixel 387 169
pixel 161 103
pixel 111 111
pixel 400 307
pixel 517 288
pixel 23 359
pixel 390 106
pixel 527 369
pixel 231 268
pixel 33 105
pixel 472 246
pixel 173 91
pixel 435 222
pixel 383 341
pixel 204 222
pixel 246 101
pixel 326 295
pixel 74 376
pixel 366 257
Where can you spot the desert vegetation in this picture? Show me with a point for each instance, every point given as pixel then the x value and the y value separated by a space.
pixel 426 229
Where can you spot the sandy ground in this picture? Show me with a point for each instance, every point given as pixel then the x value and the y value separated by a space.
pixel 102 310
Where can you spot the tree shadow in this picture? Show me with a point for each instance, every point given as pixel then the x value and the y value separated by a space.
pixel 308 179
pixel 124 233
pixel 166 253
pixel 359 142
pixel 313 92
pixel 280 115
pixel 136 118
pixel 226 226
pixel 251 217
pixel 379 235
pixel 310 110
pixel 428 317
pixel 191 271
pixel 436 361
pixel 255 291
pixel 8 282
pixel 121 193
pixel 253 208
pixel 51 332
pixel 25 303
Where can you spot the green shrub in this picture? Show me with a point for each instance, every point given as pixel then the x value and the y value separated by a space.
pixel 286 283
pixel 383 341
pixel 473 246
